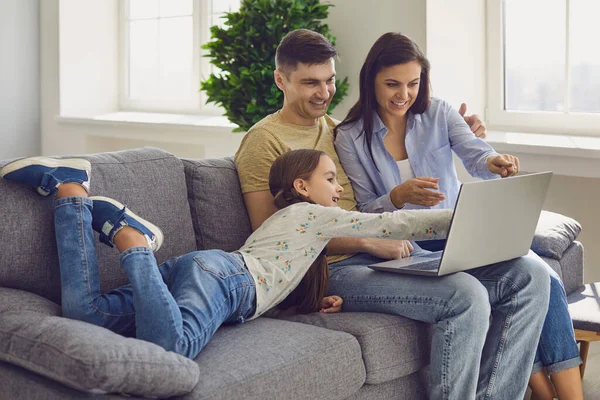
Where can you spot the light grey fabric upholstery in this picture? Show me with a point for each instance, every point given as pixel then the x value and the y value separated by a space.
pixel 218 211
pixel 275 359
pixel 584 307
pixel 150 181
pixel 392 346
pixel 20 384
pixel 554 234
pixel 87 357
pixel 571 265
pixel 408 387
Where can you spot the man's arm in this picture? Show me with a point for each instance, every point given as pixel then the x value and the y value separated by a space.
pixel 260 207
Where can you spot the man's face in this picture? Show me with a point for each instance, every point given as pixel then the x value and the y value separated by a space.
pixel 308 91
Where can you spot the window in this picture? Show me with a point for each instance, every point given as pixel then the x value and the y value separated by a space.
pixel 543 65
pixel 161 55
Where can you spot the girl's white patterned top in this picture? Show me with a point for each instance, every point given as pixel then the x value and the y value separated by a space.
pixel 279 253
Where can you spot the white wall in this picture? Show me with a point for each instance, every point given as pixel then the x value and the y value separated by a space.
pixel 358 23
pixel 456 49
pixel 19 78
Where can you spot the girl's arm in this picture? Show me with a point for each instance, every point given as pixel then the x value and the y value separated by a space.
pixel 332 222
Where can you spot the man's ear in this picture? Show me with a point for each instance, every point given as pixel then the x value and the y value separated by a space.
pixel 278 76
pixel 301 187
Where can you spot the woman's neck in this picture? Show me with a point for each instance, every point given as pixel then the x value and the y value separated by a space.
pixel 394 124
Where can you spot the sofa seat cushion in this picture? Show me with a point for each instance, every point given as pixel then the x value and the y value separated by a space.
pixel 84 356
pixel 554 234
pixel 149 181
pixel 273 359
pixel 392 346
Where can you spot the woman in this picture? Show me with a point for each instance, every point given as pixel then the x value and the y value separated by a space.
pixel 396 147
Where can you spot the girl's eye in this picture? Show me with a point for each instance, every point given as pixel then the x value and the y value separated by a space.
pixel 330 180
pixel 392 84
pixel 413 84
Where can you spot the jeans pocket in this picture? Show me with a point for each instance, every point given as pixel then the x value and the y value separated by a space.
pixel 219 263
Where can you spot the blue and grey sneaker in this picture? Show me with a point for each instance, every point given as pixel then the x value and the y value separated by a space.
pixel 46 174
pixel 109 216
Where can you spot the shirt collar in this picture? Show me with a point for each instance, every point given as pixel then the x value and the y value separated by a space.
pixel 380 129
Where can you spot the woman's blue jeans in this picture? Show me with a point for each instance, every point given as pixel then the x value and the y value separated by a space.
pixel 178 305
pixel 471 355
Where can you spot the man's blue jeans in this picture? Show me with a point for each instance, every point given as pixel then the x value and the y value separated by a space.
pixel 178 305
pixel 471 356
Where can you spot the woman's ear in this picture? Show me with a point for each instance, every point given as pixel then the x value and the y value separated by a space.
pixel 301 187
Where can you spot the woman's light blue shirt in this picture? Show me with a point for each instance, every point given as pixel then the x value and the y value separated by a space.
pixel 430 139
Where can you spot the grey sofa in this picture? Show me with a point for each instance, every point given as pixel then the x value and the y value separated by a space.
pixel 198 204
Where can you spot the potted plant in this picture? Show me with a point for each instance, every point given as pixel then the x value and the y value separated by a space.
pixel 244 51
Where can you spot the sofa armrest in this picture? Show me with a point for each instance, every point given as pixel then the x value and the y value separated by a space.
pixel 554 234
pixel 85 356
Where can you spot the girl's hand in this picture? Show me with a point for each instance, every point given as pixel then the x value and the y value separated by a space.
pixel 331 304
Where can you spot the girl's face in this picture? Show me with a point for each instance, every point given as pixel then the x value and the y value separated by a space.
pixel 322 186
pixel 396 89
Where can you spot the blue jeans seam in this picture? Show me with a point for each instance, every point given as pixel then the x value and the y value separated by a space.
pixel 504 335
pixel 563 365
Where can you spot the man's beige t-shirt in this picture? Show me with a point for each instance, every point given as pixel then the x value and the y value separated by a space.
pixel 270 138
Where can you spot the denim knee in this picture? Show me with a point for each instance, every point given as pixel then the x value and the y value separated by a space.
pixel 471 298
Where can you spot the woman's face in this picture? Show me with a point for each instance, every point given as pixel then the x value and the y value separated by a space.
pixel 322 187
pixel 396 89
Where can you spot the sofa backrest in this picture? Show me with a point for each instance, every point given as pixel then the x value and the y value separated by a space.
pixel 217 205
pixel 150 181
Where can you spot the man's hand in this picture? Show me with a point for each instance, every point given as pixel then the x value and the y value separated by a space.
pixel 476 124
pixel 504 165
pixel 416 191
pixel 388 249
pixel 331 304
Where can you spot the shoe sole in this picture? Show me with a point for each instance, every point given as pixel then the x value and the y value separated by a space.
pixel 153 228
pixel 75 163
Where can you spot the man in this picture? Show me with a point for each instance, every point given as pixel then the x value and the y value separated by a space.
pixel 466 359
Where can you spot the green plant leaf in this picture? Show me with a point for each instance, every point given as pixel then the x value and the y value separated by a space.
pixel 244 50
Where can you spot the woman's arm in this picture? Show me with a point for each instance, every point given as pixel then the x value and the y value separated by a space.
pixel 362 184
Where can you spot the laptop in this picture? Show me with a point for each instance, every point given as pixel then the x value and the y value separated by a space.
pixel 493 221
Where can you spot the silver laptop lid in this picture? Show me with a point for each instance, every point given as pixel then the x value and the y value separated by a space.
pixel 494 221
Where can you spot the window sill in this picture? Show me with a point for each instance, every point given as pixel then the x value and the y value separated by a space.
pixel 209 123
pixel 562 154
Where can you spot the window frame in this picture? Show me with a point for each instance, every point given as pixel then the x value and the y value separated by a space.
pixel 201 68
pixel 570 123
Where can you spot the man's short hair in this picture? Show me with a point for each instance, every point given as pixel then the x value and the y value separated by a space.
pixel 303 46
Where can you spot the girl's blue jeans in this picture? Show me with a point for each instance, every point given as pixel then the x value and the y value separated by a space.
pixel 178 305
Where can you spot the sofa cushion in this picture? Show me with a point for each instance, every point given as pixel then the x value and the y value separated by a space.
pixel 274 359
pixel 84 356
pixel 584 307
pixel 391 346
pixel 554 234
pixel 218 210
pixel 150 181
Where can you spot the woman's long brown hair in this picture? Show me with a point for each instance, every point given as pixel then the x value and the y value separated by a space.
pixel 300 164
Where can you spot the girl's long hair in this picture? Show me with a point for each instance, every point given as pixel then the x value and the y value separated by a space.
pixel 300 164
pixel 390 49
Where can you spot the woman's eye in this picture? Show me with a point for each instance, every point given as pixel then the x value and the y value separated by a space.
pixel 330 180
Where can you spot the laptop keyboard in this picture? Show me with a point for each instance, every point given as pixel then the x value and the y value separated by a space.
pixel 426 265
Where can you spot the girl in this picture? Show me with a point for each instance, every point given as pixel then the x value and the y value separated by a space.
pixel 178 304
pixel 395 132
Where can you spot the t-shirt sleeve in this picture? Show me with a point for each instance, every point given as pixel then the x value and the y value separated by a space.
pixel 254 158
